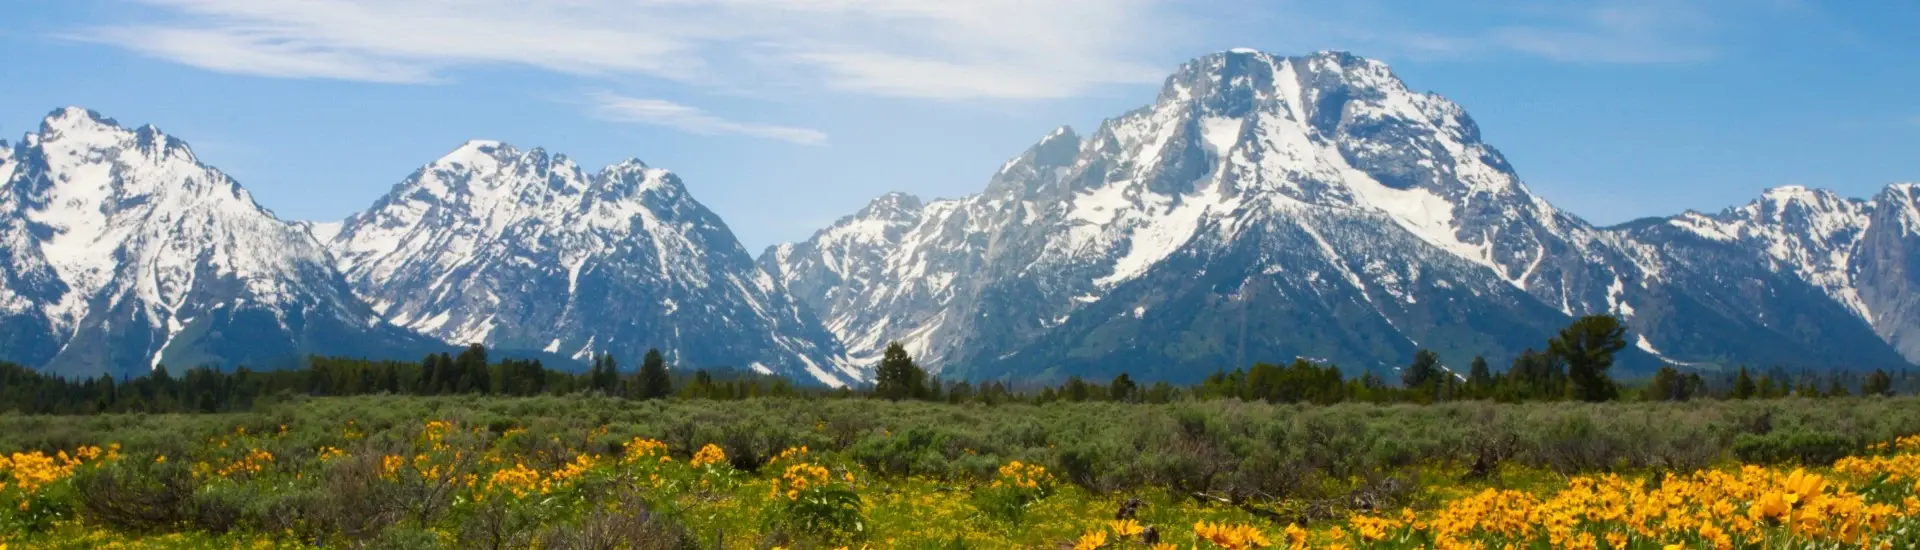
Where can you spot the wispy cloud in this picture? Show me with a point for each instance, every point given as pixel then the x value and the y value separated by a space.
pixel 993 49
pixel 970 50
pixel 659 112
pixel 241 52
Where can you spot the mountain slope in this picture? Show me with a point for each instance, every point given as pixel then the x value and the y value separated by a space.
pixel 123 251
pixel 514 249
pixel 1266 207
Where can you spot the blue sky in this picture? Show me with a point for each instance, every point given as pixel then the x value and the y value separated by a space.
pixel 783 115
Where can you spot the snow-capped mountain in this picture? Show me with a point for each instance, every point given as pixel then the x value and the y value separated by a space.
pixel 122 251
pixel 522 249
pixel 1261 208
pixel 1267 207
pixel 1851 250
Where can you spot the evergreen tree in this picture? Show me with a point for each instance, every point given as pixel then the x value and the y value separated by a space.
pixel 472 366
pixel 445 379
pixel 1878 383
pixel 429 376
pixel 1835 388
pixel 1535 375
pixel 1122 388
pixel 934 386
pixel 1424 369
pixel 654 383
pixel 898 377
pixel 1667 385
pixel 1479 377
pixel 605 375
pixel 702 384
pixel 960 392
pixel 1806 387
pixel 1587 347
pixel 1743 386
pixel 390 378
pixel 1076 390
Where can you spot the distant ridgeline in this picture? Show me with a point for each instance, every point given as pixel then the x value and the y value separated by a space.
pixel 1259 208
pixel 1573 368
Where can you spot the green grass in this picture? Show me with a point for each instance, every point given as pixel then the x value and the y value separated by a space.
pixel 919 470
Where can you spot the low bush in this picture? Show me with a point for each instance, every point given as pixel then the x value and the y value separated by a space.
pixel 1794 447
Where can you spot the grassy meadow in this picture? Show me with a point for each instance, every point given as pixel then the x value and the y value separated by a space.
pixel 586 471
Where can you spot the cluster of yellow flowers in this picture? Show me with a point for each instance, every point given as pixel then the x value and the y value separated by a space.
pixel 1023 476
pixel 255 461
pixel 646 450
pixel 709 454
pixel 521 480
pixel 1721 509
pixel 33 470
pixel 797 478
pixel 1896 467
pixel 518 480
pixel 1714 508
pixel 1907 444
pixel 1091 540
pixel 790 454
pixel 30 472
pixel 1120 530
pixel 434 435
pixel 1233 537
pixel 328 452
pixel 573 470
pixel 390 466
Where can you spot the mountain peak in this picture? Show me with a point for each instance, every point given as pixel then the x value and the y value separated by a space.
pixel 1903 188
pixel 68 116
pixel 77 123
pixel 525 250
pixel 476 150
pixel 1778 202
pixel 150 251
pixel 1791 192
pixel 1232 81
pixel 895 205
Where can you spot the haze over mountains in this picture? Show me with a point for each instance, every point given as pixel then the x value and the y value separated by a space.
pixel 1261 208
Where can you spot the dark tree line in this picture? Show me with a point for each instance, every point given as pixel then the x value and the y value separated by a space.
pixel 469 372
pixel 1573 366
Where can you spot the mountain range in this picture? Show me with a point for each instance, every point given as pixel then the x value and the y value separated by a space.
pixel 1261 208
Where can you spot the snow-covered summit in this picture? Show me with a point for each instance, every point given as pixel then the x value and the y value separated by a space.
pixel 118 232
pixel 527 250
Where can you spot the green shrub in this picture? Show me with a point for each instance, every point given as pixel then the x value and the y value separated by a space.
pixel 1797 447
pixel 136 495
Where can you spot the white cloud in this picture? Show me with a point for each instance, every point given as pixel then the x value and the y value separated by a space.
pixel 659 112
pixel 995 49
pixel 236 51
